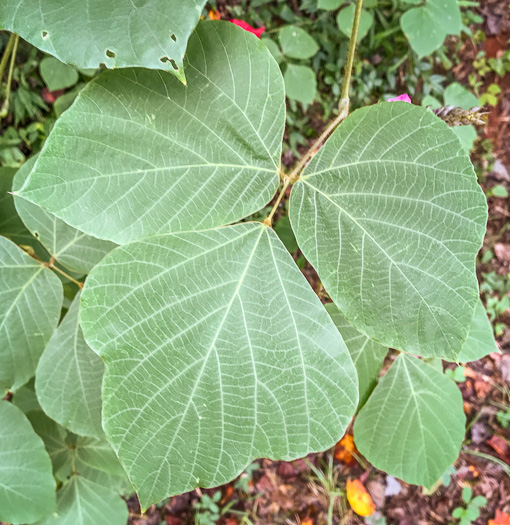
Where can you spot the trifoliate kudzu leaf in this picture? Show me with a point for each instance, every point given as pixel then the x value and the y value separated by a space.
pixel 69 377
pixel 297 43
pixel 217 352
pixel 84 502
pixel 139 153
pixel 427 26
pixel 72 248
pixel 390 214
pixel 30 301
pixel 412 426
pixel 27 487
pixel 367 355
pixel 480 341
pixel 151 34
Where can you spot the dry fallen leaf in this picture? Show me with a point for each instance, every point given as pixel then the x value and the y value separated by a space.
pixel 359 499
pixel 501 518
pixel 344 450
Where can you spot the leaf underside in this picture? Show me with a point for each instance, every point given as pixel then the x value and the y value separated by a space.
pixel 412 426
pixel 27 487
pixel 148 33
pixel 139 153
pixel 30 302
pixel 217 352
pixel 390 214
pixel 367 355
pixel 69 377
pixel 72 248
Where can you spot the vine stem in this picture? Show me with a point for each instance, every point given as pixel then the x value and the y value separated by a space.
pixel 6 55
pixel 343 113
pixel 51 266
pixel 5 105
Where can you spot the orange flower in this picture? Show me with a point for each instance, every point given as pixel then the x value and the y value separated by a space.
pixel 359 499
pixel 501 518
pixel 308 521
pixel 344 450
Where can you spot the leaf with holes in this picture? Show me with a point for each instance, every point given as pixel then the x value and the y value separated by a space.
pixel 30 301
pixel 367 355
pixel 236 360
pixel 69 377
pixel 390 214
pixel 412 426
pixel 121 162
pixel 27 487
pixel 149 33
pixel 72 248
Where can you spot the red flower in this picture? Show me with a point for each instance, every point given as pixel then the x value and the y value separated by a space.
pixel 247 27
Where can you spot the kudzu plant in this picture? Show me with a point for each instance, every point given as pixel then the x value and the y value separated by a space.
pixel 191 343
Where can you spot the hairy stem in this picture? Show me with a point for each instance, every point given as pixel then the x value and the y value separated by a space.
pixel 343 108
pixel 51 266
pixel 5 105
pixel 269 219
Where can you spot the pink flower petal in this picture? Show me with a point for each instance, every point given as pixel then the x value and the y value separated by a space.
pixel 247 27
pixel 401 98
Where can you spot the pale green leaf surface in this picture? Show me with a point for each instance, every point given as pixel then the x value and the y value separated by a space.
pixel 329 5
pixel 11 226
pixel 297 43
pixel 345 19
pixel 25 399
pixel 30 301
pixel 27 487
pixel 56 74
pixel 427 26
pixel 72 248
pixel 466 136
pixel 480 341
pixel 80 501
pixel 217 352
pixel 390 214
pixel 412 426
pixel 367 355
pixel 300 83
pixel 457 95
pixel 87 34
pixel 69 377
pixel 138 153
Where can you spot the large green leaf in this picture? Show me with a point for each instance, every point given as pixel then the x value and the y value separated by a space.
pixel 27 487
pixel 412 426
pixel 217 352
pixel 69 377
pixel 390 214
pixel 82 502
pixel 72 248
pixel 367 355
pixel 30 301
pixel 427 26
pixel 148 33
pixel 138 153
pixel 480 341
pixel 300 83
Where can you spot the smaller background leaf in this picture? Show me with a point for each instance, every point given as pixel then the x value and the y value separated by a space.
pixel 345 19
pixel 300 83
pixel 297 43
pixel 56 74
